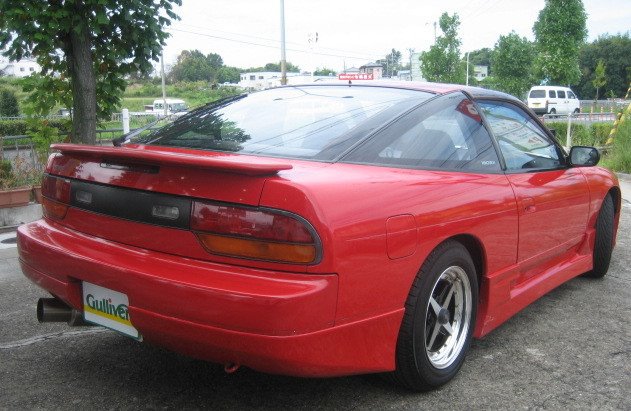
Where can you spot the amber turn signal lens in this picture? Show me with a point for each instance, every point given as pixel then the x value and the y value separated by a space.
pixel 257 249
pixel 254 233
pixel 53 209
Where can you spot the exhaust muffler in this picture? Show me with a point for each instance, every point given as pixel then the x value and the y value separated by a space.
pixel 54 310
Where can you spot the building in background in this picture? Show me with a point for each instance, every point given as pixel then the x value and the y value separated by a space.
pixel 480 72
pixel 20 68
pixel 405 75
pixel 372 68
pixel 262 80
pixel 415 64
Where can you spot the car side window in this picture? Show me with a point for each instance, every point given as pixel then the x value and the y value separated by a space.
pixel 561 94
pixel 524 145
pixel 552 94
pixel 570 94
pixel 444 133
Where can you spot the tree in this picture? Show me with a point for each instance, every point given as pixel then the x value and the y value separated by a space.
pixel 392 63
pixel 276 67
pixel 85 48
pixel 195 66
pixel 560 31
pixel 615 52
pixel 324 72
pixel 481 57
pixel 442 62
pixel 8 104
pixel 228 74
pixel 600 78
pixel 512 60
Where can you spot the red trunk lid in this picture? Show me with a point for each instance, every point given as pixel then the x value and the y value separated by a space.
pixel 123 183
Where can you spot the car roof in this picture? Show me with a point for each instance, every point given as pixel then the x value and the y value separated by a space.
pixel 434 88
pixel 548 87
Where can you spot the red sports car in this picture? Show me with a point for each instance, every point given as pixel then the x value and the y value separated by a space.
pixel 322 230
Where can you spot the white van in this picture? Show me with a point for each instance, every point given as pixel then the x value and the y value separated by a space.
pixel 553 100
pixel 174 106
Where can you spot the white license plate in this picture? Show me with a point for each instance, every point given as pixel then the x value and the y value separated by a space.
pixel 108 308
pixel 536 104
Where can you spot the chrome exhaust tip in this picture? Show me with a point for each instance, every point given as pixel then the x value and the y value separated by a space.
pixel 54 310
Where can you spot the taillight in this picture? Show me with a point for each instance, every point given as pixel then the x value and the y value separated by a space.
pixel 259 234
pixel 55 196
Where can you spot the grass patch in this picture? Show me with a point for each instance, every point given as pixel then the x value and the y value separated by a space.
pixel 195 94
pixel 595 134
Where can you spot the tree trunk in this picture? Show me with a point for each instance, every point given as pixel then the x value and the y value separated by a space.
pixel 83 88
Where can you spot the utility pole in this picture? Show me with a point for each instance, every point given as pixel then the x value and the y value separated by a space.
pixel 411 50
pixel 467 68
pixel 164 90
pixel 283 59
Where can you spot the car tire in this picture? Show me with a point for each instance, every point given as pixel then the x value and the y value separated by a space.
pixel 437 325
pixel 553 111
pixel 577 110
pixel 603 245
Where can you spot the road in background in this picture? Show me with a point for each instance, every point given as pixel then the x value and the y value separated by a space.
pixel 570 350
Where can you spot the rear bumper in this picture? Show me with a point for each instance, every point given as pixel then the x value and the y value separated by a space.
pixel 270 321
pixel 540 110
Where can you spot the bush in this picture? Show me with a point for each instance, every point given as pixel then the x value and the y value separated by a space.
pixel 618 157
pixel 20 127
pixel 601 133
pixel 8 104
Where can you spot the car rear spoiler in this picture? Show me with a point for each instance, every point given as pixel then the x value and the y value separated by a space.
pixel 153 155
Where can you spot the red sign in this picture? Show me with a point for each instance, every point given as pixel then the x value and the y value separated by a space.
pixel 355 76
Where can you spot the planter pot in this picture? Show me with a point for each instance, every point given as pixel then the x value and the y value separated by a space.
pixel 15 197
pixel 37 194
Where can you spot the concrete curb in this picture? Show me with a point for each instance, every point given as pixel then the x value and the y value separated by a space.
pixel 624 177
pixel 14 216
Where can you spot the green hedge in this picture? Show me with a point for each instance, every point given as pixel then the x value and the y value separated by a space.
pixel 595 134
pixel 20 127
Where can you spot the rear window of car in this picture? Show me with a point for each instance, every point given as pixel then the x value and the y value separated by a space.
pixel 310 122
pixel 538 94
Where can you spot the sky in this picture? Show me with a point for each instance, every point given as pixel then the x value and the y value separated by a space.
pixel 246 33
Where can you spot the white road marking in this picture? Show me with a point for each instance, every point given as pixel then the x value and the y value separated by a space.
pixel 51 336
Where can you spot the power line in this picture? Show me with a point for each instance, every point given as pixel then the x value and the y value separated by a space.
pixel 268 45
pixel 347 52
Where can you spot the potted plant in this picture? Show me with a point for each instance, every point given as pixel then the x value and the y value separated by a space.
pixel 15 187
pixel 43 135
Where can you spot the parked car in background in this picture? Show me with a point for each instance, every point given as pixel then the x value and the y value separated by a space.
pixel 173 106
pixel 553 100
pixel 322 230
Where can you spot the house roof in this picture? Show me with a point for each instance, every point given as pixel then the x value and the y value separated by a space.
pixel 371 65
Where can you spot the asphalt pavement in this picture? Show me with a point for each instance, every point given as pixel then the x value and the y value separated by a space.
pixel 569 350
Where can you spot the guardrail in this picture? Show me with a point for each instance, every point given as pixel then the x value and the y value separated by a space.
pixel 581 117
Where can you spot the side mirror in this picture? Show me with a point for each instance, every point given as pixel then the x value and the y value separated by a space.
pixel 581 156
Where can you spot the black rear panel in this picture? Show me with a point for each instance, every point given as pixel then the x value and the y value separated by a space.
pixel 134 205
